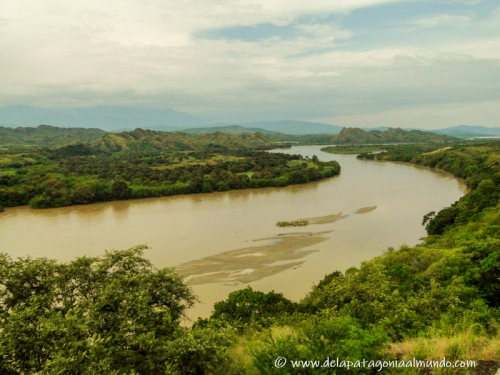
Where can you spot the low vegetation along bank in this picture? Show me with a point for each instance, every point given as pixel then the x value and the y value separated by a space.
pixel 143 164
pixel 117 314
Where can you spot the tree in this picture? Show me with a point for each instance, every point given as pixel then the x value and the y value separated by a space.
pixel 83 194
pixel 298 177
pixel 120 189
pixel 246 306
pixel 110 314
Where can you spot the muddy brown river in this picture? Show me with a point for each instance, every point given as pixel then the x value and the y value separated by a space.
pixel 222 242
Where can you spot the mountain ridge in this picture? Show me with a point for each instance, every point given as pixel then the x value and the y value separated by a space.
pixel 153 140
pixel 107 118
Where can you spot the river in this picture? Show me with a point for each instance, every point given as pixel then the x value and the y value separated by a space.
pixel 221 242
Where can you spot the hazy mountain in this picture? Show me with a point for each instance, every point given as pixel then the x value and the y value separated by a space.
pixel 105 117
pixel 468 131
pixel 295 127
pixel 228 129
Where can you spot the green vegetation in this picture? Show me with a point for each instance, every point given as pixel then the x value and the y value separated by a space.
pixel 228 129
pixel 45 135
pixel 293 223
pixel 151 141
pixel 143 164
pixel 114 314
pixel 352 149
pixel 354 136
pixel 404 153
pixel 117 314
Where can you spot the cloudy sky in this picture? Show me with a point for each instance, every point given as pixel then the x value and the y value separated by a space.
pixel 422 63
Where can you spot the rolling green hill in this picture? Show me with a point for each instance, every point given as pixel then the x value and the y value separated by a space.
pixel 46 135
pixel 360 136
pixel 151 140
pixel 229 129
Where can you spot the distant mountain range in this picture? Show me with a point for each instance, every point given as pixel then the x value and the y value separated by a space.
pixel 106 118
pixel 45 135
pixel 115 118
pixel 468 131
pixel 295 127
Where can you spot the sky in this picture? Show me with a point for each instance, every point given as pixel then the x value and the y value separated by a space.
pixel 423 63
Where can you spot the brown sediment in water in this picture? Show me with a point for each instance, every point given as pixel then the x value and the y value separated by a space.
pixel 252 263
pixel 328 219
pixel 365 210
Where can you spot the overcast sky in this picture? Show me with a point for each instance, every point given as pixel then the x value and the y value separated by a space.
pixel 425 63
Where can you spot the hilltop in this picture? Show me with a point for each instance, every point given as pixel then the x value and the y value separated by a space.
pixel 153 140
pixel 46 135
pixel 396 135
pixel 233 136
pixel 228 129
pixel 360 136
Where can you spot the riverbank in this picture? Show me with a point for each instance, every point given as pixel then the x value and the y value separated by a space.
pixel 66 181
pixel 428 301
pixel 184 228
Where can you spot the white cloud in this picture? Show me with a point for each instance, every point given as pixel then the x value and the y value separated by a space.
pixel 157 22
pixel 439 20
pixel 57 53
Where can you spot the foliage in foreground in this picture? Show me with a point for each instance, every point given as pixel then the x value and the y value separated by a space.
pixel 114 314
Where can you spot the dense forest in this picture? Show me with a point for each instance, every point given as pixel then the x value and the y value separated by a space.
pixel 142 164
pixel 117 314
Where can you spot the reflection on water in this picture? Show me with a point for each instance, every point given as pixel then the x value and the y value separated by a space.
pixel 183 229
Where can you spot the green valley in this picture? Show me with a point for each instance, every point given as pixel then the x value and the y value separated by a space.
pixel 146 163
pixel 438 299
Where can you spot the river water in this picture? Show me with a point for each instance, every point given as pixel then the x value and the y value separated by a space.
pixel 222 242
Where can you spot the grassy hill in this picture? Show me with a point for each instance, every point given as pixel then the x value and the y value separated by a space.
pixel 229 129
pixel 46 135
pixel 396 135
pixel 360 136
pixel 152 140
